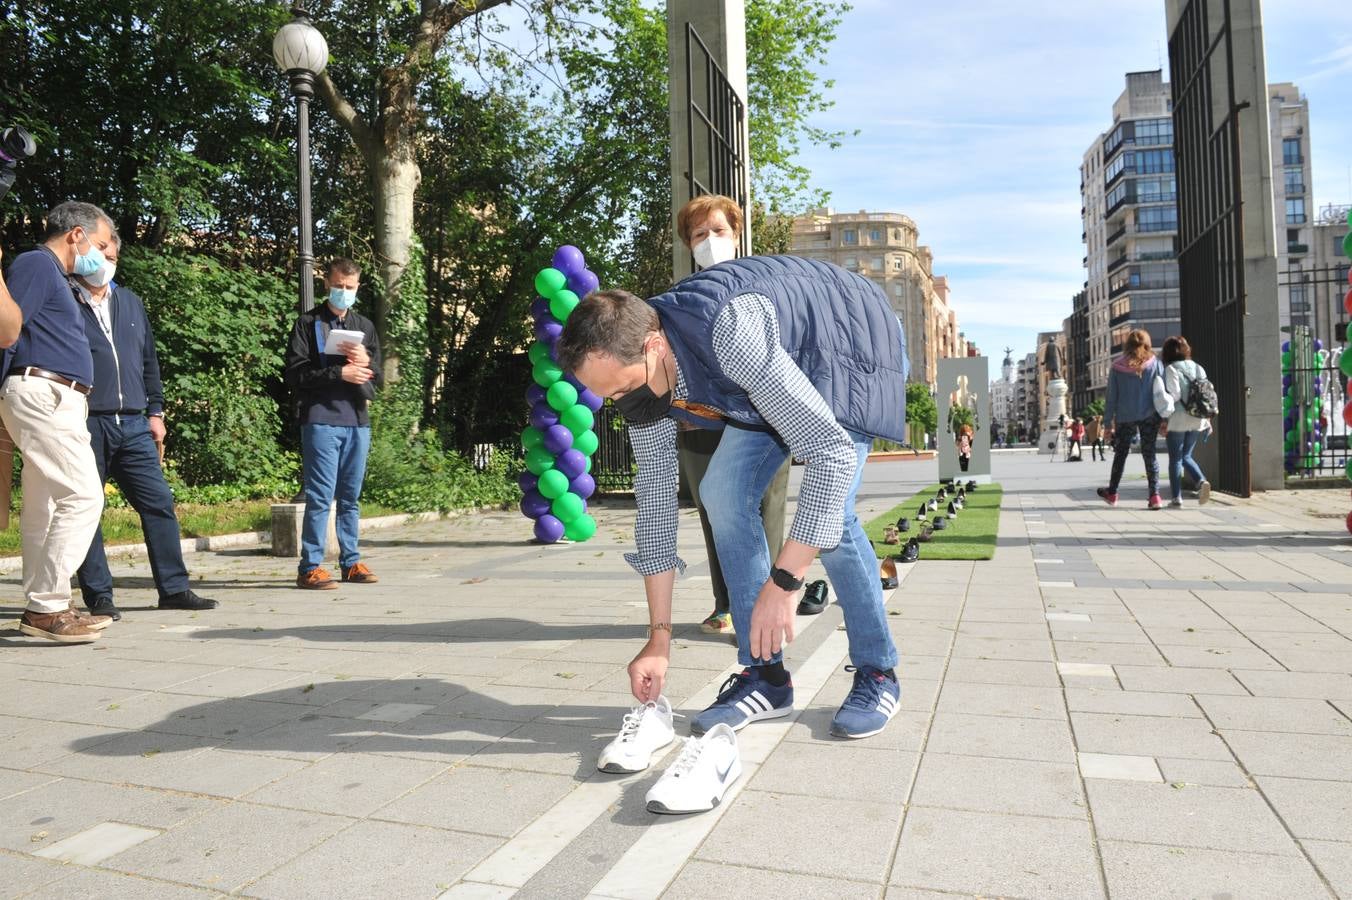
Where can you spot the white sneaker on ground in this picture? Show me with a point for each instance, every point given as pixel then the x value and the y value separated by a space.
pixel 1203 492
pixel 701 775
pixel 646 729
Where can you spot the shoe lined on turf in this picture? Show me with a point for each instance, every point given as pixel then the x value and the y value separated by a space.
pixel 717 623
pixel 645 729
pixel 910 553
pixel 887 573
pixel 815 598
pixel 940 523
pixel 1109 497
pixel 65 627
pixel 700 776
pixel 1154 502
pixel 317 579
pixel 891 535
pixel 871 704
pixel 744 698
pixel 1203 492
pixel 187 600
pixel 358 573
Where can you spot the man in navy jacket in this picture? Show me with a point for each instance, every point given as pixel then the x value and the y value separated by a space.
pixel 126 422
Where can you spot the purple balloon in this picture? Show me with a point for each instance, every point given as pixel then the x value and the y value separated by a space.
pixel 527 482
pixel 1286 346
pixel 548 529
pixel 572 379
pixel 548 330
pixel 542 417
pixel 571 463
pixel 1286 381
pixel 583 485
pixel 568 260
pixel 583 283
pixel 1318 344
pixel 535 395
pixel 557 439
pixel 539 307
pixel 590 400
pixel 534 505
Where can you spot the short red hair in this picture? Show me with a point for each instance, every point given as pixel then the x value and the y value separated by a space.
pixel 701 208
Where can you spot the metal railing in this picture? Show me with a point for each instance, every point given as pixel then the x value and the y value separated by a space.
pixel 721 116
pixel 613 463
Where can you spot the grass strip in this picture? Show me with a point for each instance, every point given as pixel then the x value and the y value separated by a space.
pixel 969 536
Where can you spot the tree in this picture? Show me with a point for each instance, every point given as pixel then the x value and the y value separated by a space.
pixel 921 411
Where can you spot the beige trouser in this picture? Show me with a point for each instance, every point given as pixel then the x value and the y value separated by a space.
pixel 62 494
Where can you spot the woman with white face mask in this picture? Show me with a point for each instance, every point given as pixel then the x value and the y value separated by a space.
pixel 710 226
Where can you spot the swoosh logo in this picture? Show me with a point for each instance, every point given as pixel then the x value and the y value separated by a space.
pixel 723 772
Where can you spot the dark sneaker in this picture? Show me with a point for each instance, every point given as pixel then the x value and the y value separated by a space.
pixel 940 523
pixel 870 706
pixel 903 524
pixel 814 599
pixel 65 627
pixel 910 553
pixel 103 608
pixel 1155 502
pixel 317 579
pixel 359 574
pixel 187 600
pixel 1109 497
pixel 745 698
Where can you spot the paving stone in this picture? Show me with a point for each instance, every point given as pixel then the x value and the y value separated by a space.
pixel 13 782
pixel 1113 654
pixel 1149 872
pixel 1085 670
pixel 1334 859
pixel 701 880
pixel 540 747
pixel 64 808
pixel 983 784
pixel 1218 657
pixel 857 772
pixel 1000 736
pixel 378 859
pixel 209 852
pixel 1275 714
pixel 347 784
pixel 1311 809
pixel 1120 767
pixel 905 733
pixel 1139 703
pixel 975 853
pixel 1305 755
pixel 1314 686
pixel 1178 681
pixel 849 849
pixel 969 646
pixel 1214 773
pixel 1146 736
pixel 1001 671
pixel 29 873
pixel 95 884
pixel 479 800
pixel 1002 700
pixel 1190 816
pixel 95 844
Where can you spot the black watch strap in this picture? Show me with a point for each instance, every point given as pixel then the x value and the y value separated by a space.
pixel 785 579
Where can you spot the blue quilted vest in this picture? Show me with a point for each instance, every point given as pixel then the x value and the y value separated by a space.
pixel 837 327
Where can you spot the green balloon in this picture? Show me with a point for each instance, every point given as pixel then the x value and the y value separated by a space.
pixel 1286 359
pixel 549 281
pixel 566 507
pixel 1345 363
pixel 538 353
pixel 539 461
pixel 563 304
pixel 561 395
pixel 1349 333
pixel 581 528
pixel 586 442
pixel 1347 244
pixel 1317 448
pixel 1347 470
pixel 588 469
pixel 531 438
pixel 1349 218
pixel 577 419
pixel 553 483
pixel 546 373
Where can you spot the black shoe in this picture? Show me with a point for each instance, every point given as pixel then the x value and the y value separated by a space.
pixel 971 485
pixel 952 509
pixel 903 524
pixel 814 599
pixel 910 553
pixel 940 523
pixel 920 513
pixel 187 600
pixel 104 607
pixel 887 574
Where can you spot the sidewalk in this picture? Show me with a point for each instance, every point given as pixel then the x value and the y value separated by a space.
pixel 1121 703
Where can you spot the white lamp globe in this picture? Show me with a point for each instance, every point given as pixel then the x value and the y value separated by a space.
pixel 300 46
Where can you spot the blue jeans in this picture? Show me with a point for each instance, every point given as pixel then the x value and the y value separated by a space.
pixel 333 458
pixel 739 473
pixel 1181 444
pixel 125 452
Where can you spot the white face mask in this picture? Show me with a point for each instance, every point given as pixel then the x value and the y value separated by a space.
pixel 102 276
pixel 713 250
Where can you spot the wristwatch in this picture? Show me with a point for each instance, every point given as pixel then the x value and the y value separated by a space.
pixel 784 579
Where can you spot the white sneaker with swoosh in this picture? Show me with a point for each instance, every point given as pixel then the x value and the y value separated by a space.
pixel 647 728
pixel 701 775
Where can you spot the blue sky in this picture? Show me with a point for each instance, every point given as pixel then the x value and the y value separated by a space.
pixel 974 117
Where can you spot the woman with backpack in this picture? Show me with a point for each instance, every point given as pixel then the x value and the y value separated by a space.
pixel 1130 410
pixel 1186 387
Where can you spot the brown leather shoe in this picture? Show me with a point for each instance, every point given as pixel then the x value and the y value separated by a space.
pixel 317 579
pixel 359 574
pixel 89 620
pixel 64 627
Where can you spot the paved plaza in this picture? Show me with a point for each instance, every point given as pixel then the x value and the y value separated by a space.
pixel 1122 703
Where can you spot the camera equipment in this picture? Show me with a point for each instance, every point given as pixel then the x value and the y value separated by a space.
pixel 15 145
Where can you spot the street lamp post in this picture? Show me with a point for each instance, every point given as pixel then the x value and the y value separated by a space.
pixel 301 53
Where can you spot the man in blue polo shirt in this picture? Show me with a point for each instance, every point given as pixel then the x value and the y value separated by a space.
pixel 48 376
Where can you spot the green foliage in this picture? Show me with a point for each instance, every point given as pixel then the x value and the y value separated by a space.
pixel 1095 408
pixel 220 334
pixel 959 416
pixel 417 475
pixel 920 408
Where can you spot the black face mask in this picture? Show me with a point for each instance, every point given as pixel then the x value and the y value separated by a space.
pixel 642 405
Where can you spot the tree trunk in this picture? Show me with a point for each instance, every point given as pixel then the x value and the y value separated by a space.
pixel 396 177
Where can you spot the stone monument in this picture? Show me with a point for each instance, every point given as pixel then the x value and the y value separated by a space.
pixel 1057 389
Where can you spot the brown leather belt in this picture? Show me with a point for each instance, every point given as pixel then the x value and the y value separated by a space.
pixel 35 372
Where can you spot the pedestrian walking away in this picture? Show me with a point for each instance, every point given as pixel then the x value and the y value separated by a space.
pixel 1181 375
pixel 770 348
pixel 1093 433
pixel 1130 411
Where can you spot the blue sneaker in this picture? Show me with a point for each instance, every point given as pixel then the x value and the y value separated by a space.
pixel 870 706
pixel 745 697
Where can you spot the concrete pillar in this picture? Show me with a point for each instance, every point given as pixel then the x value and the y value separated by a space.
pixel 721 25
pixel 287 521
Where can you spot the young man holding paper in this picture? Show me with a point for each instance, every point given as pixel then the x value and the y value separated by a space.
pixel 333 365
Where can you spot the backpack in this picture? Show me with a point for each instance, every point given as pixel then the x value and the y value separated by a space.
pixel 1201 401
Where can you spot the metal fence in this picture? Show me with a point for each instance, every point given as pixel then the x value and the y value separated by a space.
pixel 1314 388
pixel 613 463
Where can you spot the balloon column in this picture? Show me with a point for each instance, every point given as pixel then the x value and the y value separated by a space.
pixel 1304 362
pixel 1344 364
pixel 559 441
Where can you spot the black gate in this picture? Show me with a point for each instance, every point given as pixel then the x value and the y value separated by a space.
pixel 716 125
pixel 1314 389
pixel 613 461
pixel 1210 221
